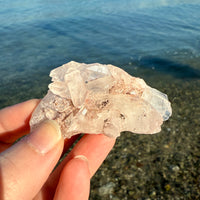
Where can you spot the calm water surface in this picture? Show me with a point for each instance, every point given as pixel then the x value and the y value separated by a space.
pixel 136 35
pixel 158 40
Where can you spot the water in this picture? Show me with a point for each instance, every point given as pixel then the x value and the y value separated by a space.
pixel 38 36
pixel 158 40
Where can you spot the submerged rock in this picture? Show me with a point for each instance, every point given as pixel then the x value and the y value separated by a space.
pixel 96 98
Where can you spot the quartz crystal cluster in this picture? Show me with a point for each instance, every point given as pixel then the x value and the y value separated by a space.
pixel 97 98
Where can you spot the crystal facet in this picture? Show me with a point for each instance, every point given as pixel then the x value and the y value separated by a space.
pixel 96 98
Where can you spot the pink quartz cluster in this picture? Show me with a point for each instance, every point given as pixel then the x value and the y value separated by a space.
pixel 97 98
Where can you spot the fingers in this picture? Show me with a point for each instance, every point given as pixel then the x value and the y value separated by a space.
pixel 14 120
pixel 4 146
pixel 74 181
pixel 26 165
pixel 69 142
pixel 94 147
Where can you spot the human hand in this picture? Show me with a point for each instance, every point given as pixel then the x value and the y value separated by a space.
pixel 26 166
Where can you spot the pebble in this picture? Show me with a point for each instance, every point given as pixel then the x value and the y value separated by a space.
pixel 175 168
pixel 167 187
pixel 106 189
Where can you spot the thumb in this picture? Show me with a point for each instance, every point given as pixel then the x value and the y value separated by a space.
pixel 25 166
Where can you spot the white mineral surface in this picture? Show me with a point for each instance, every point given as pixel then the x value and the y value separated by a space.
pixel 96 98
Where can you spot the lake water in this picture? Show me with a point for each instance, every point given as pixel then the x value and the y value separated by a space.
pixel 139 36
pixel 158 40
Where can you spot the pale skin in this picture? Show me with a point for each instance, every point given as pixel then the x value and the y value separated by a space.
pixel 26 166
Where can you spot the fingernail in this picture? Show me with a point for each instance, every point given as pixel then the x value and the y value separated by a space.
pixel 84 158
pixel 45 137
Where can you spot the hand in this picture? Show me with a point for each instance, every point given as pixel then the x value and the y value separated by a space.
pixel 26 166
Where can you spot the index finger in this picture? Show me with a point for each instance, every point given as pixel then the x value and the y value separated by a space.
pixel 14 120
pixel 94 147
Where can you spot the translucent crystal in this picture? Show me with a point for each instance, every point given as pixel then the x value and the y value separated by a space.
pixel 96 98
